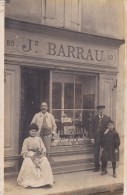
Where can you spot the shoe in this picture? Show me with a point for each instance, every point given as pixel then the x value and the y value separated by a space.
pixel 28 187
pixel 114 175
pixel 104 172
pixel 96 169
pixel 48 186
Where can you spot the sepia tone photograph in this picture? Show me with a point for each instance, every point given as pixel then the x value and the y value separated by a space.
pixel 64 92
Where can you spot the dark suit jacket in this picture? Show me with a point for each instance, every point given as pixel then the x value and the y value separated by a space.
pixel 96 130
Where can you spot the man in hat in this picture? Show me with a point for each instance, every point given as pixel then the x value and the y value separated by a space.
pixel 46 124
pixel 99 126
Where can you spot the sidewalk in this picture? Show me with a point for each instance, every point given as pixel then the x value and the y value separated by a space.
pixel 78 183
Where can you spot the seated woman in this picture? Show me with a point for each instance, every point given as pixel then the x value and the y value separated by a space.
pixel 36 170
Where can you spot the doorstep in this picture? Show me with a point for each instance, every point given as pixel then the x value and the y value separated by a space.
pixel 81 183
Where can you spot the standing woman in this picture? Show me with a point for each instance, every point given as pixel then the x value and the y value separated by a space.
pixel 36 170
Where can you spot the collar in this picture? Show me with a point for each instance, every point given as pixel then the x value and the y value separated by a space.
pixel 46 114
pixel 101 116
pixel 32 136
pixel 107 130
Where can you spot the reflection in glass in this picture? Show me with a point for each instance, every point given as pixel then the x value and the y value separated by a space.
pixel 57 114
pixel 56 95
pixel 89 101
pixel 69 114
pixel 69 96
pixel 78 96
pixel 87 119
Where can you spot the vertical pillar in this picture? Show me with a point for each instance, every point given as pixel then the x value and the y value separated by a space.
pixel 107 94
pixel 50 91
pixel 11 123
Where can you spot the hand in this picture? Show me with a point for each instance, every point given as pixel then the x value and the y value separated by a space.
pixel 36 162
pixel 37 149
pixel 52 139
pixel 44 152
pixel 92 141
pixel 102 149
pixel 116 151
pixel 40 150
pixel 26 155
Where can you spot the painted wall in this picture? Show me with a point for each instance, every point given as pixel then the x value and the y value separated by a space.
pixel 120 104
pixel 58 13
pixel 101 17
pixel 28 10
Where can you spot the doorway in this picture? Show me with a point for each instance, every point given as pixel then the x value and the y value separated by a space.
pixel 34 90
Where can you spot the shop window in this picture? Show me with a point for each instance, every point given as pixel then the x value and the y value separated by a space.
pixel 73 97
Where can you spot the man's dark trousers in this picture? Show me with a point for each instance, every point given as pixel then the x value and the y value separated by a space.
pixel 99 127
pixel 97 156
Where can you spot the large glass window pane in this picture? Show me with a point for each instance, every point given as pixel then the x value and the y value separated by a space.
pixel 69 113
pixel 57 114
pixel 56 95
pixel 78 96
pixel 69 96
pixel 87 118
pixel 89 101
pixel 73 96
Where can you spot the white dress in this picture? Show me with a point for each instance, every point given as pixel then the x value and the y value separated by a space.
pixel 31 175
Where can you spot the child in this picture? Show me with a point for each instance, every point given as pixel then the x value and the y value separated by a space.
pixel 36 170
pixel 110 148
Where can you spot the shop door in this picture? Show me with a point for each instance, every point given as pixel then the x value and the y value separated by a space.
pixel 34 90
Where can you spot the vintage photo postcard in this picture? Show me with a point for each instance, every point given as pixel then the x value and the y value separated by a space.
pixel 63 78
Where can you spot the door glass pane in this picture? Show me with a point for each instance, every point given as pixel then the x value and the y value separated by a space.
pixel 69 96
pixel 56 95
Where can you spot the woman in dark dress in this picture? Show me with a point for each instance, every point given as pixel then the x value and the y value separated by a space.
pixel 110 148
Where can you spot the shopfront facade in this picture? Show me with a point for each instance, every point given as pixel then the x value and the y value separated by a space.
pixel 72 71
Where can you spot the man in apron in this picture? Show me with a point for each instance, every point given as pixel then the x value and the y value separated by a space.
pixel 46 124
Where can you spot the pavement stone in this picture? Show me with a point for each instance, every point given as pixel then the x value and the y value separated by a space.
pixel 76 183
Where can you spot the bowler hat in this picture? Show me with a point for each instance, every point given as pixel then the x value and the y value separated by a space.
pixel 100 107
